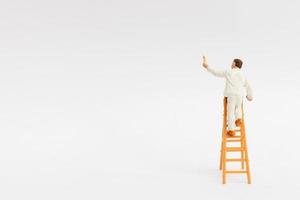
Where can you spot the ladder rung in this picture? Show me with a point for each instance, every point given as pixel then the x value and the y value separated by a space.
pixel 235 172
pixel 236 140
pixel 236 130
pixel 236 136
pixel 235 159
pixel 234 148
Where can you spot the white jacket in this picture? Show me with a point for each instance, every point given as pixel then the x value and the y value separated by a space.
pixel 236 83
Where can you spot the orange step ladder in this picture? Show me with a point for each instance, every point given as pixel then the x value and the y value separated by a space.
pixel 240 139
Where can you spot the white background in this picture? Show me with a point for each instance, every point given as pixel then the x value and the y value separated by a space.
pixel 108 100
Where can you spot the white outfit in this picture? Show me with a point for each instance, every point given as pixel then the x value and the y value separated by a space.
pixel 234 90
pixel 234 110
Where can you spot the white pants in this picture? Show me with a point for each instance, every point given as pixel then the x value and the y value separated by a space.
pixel 234 110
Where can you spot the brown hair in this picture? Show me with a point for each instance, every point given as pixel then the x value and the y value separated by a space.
pixel 238 62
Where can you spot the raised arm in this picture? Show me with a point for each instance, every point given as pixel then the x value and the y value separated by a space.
pixel 249 92
pixel 218 73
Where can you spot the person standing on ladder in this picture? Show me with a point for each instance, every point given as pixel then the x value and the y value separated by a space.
pixel 235 87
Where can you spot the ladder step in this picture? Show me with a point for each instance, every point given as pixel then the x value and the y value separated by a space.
pixel 236 130
pixel 236 140
pixel 236 136
pixel 234 148
pixel 235 172
pixel 235 159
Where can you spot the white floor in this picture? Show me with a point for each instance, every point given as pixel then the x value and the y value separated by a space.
pixel 127 112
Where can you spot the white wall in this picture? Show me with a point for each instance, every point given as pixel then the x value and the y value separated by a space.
pixel 107 99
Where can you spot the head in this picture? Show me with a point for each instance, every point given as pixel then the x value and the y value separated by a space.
pixel 237 63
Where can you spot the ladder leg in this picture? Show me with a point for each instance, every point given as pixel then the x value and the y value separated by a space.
pixel 247 165
pixel 248 172
pixel 224 163
pixel 243 154
pixel 221 157
pixel 223 134
pixel 222 149
pixel 243 157
pixel 246 153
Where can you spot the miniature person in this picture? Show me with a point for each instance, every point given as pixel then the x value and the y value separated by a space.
pixel 235 87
